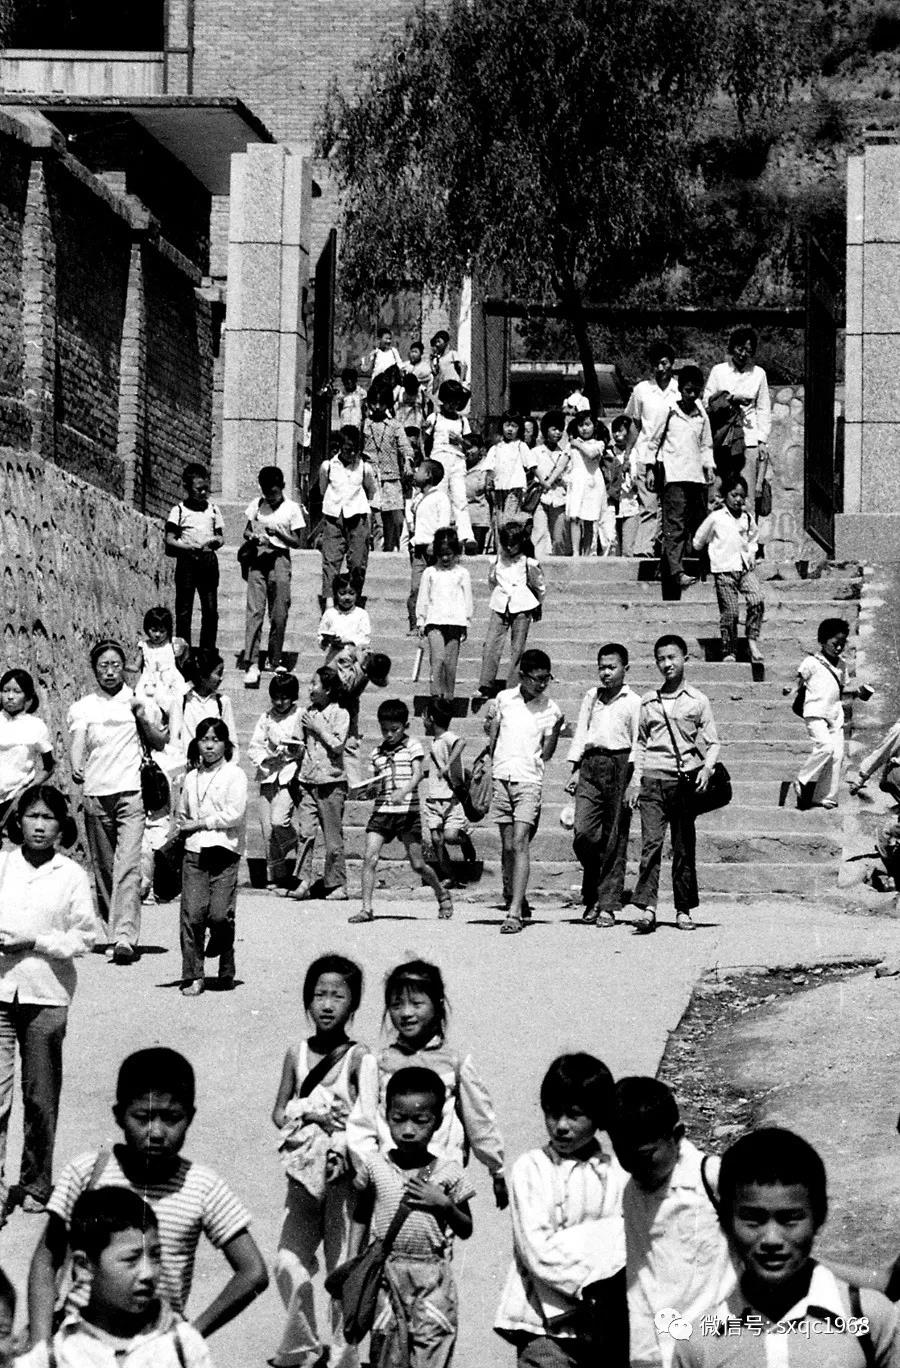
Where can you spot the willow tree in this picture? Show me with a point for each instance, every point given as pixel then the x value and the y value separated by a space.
pixel 543 146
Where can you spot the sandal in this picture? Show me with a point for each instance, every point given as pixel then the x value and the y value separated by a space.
pixel 606 919
pixel 511 927
pixel 445 907
pixel 685 922
pixel 299 894
pixel 589 916
pixel 365 915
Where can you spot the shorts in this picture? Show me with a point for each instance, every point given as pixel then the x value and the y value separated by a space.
pixel 514 801
pixel 396 826
pixel 445 816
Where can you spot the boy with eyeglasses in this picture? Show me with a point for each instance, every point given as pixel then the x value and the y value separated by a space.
pixel 524 726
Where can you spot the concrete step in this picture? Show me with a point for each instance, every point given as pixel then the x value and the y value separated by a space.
pixel 556 880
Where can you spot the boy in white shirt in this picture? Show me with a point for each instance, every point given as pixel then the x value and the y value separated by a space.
pixel 683 449
pixel 429 511
pixel 524 727
pixel 730 535
pixel 194 532
pixel 273 529
pixel 115 1244
pixel 385 357
pixel 677 1253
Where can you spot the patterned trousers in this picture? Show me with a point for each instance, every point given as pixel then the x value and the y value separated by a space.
pixel 730 584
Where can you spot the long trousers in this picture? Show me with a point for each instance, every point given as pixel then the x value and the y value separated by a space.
pixel 517 624
pixel 322 806
pixel 39 1033
pixel 823 766
pixel 197 572
pixel 268 585
pixel 662 803
pixel 311 1224
pixel 208 899
pixel 602 824
pixel 684 506
pixel 345 539
pixel 114 827
pixel 730 584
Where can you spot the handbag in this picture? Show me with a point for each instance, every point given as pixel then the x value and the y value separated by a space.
pixel 356 1283
pixel 155 791
pixel 718 791
pixel 532 497
pixel 763 504
pixel 799 701
pixel 168 868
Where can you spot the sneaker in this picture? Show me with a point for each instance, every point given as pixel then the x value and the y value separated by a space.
pixel 646 921
pixel 590 914
pixel 336 895
pixel 123 953
pixel 686 581
pixel 685 922
pixel 32 1205
pixel 251 677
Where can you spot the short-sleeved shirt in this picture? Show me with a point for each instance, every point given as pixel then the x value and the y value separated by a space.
pixel 524 727
pixel 510 462
pixel 112 758
pixel 193 1201
pixel 421 1236
pixel 397 767
pixel 196 526
pixel 287 517
pixel 824 684
pixel 23 740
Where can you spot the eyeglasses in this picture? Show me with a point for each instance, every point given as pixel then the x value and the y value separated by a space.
pixel 539 681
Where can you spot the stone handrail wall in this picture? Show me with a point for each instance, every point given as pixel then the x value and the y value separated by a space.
pixel 78 565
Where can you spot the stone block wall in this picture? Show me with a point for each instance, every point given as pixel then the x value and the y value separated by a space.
pixel 105 343
pixel 785 537
pixel 78 565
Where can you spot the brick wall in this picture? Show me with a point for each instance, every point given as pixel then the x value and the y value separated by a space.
pixel 92 251
pixel 105 345
pixel 14 424
pixel 78 565
pixel 179 380
pixel 280 55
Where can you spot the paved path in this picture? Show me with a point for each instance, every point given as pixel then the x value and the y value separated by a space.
pixel 516 1003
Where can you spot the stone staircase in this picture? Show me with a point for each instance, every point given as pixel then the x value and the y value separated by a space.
pixel 751 848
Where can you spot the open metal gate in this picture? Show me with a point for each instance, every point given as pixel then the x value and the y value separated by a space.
pixel 823 464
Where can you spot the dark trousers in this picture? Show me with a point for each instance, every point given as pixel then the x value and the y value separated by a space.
pixel 419 557
pixel 662 802
pixel 39 1033
pixel 684 506
pixel 197 572
pixel 345 539
pixel 602 823
pixel 208 898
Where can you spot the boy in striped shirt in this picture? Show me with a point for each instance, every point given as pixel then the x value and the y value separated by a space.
pixel 154 1107
pixel 399 763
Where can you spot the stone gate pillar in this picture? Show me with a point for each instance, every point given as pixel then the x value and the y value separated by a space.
pixel 265 328
pixel 869 526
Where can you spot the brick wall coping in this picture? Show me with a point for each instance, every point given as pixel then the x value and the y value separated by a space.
pixel 44 140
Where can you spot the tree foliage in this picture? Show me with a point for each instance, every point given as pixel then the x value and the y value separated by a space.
pixel 543 145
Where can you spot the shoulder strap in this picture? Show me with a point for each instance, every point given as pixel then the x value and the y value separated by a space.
pixel 104 1154
pixel 179 1347
pixel 707 1185
pixel 396 1225
pixel 678 762
pixel 834 673
pixel 662 436
pixel 864 1340
pixel 218 698
pixel 321 1070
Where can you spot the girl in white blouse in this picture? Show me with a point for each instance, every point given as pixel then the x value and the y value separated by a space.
pixel 46 919
pixel 211 818
pixel 444 610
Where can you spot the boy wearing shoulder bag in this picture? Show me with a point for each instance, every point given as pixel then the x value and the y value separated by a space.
pixel 677 739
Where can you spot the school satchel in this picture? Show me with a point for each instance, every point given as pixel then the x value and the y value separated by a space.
pixel 532 497
pixel 168 868
pixel 355 1284
pixel 477 790
pixel 726 420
